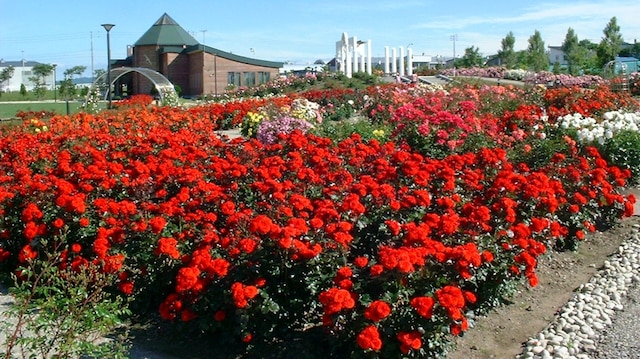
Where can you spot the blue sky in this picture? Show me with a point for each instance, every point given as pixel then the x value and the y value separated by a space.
pixel 63 31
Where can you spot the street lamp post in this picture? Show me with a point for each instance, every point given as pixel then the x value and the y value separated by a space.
pixel 453 38
pixel 55 96
pixel 108 27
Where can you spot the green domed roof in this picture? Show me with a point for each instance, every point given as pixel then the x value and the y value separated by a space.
pixel 166 32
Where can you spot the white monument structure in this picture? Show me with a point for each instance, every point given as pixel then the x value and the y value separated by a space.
pixel 396 64
pixel 353 55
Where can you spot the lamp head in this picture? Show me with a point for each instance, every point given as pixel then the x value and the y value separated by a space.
pixel 108 26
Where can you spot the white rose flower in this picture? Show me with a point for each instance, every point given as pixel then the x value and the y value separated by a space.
pixel 608 134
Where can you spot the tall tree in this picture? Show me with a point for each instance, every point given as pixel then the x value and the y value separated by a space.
pixel 471 58
pixel 67 87
pixel 507 53
pixel 536 53
pixel 589 58
pixel 570 48
pixel 611 43
pixel 5 75
pixel 522 60
pixel 40 73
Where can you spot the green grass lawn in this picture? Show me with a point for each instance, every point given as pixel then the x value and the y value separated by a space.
pixel 9 109
pixel 30 96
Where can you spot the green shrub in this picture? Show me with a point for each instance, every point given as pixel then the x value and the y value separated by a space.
pixel 340 130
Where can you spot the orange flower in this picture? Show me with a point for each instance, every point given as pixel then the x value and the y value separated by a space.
pixel 58 223
pixel 376 270
pixel 261 224
pixel 187 278
pixel 26 254
pixel 335 300
pixel 424 306
pixel 170 306
pixel 369 339
pixel 452 299
pixel 242 293
pixel 360 262
pixel 167 246
pixel 377 310
pixel 83 222
pixel 409 341
pixel 157 224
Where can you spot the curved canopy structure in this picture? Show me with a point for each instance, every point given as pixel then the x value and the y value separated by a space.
pixel 161 83
pixel 618 75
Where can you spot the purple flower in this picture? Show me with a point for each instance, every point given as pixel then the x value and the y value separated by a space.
pixel 269 130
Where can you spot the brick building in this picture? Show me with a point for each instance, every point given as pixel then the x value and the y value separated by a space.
pixel 198 69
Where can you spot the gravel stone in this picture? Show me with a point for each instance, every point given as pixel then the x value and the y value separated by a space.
pixel 601 320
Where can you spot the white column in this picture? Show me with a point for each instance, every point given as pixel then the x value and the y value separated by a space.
pixel 386 60
pixel 401 61
pixel 409 61
pixel 347 62
pixel 363 58
pixel 394 63
pixel 369 67
pixel 339 57
pixel 355 54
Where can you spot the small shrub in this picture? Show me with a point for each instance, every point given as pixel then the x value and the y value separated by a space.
pixel 63 311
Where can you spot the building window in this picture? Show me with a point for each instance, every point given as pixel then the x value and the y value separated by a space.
pixel 249 78
pixel 233 78
pixel 263 77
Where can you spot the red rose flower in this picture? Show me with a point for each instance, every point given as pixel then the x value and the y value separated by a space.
pixel 369 339
pixel 377 310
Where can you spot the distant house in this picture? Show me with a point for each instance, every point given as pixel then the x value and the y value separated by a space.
pixel 557 55
pixel 198 69
pixel 22 71
pixel 493 60
pixel 631 63
pixel 301 69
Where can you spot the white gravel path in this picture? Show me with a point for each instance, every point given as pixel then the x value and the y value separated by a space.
pixel 600 321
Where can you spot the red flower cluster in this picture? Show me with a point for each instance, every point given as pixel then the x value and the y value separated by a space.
pixel 409 341
pixel 377 310
pixel 369 339
pixel 334 300
pixel 241 294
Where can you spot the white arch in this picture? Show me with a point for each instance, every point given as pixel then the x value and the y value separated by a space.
pixel 160 82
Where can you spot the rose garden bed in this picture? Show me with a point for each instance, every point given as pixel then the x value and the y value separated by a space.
pixel 310 238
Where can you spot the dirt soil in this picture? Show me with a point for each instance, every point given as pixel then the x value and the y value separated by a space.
pixel 502 333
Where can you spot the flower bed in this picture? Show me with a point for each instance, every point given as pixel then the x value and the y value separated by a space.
pixel 347 248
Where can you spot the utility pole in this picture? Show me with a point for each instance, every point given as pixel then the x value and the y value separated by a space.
pixel 22 71
pixel 453 38
pixel 92 76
